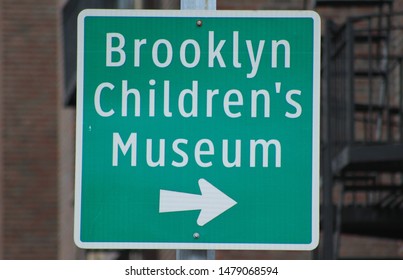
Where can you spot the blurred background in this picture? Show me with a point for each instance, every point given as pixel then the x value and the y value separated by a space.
pixel 361 135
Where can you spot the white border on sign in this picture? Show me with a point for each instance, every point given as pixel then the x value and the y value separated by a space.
pixel 200 14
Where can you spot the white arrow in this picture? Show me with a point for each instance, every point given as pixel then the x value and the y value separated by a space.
pixel 212 202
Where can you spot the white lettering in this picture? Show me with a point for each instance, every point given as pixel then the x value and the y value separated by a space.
pixel 149 153
pixel 215 53
pixel 265 151
pixel 266 96
pixel 295 104
pixel 237 159
pixel 167 112
pixel 125 95
pixel 209 105
pixel 235 50
pixel 199 152
pixel 183 53
pixel 137 44
pixel 151 103
pixel 155 52
pixel 228 103
pixel 274 46
pixel 254 61
pixel 130 144
pixel 118 49
pixel 97 100
pixel 193 97
pixel 203 152
pixel 178 151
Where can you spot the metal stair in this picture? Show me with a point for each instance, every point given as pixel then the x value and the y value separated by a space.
pixel 362 125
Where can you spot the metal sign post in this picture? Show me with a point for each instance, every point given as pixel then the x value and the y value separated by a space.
pixel 196 254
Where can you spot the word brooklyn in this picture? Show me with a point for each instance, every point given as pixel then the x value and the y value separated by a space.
pixel 116 54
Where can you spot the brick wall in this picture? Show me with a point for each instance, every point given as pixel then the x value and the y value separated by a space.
pixel 29 94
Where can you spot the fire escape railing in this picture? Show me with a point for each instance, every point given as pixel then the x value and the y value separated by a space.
pixel 364 87
pixel 362 122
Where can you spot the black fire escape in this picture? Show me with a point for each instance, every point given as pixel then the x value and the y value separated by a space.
pixel 362 125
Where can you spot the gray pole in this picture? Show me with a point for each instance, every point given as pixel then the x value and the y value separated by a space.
pixel 196 254
pixel 198 5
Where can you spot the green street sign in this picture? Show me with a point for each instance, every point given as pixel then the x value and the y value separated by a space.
pixel 197 130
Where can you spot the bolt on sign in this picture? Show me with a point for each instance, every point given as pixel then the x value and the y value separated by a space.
pixel 197 129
